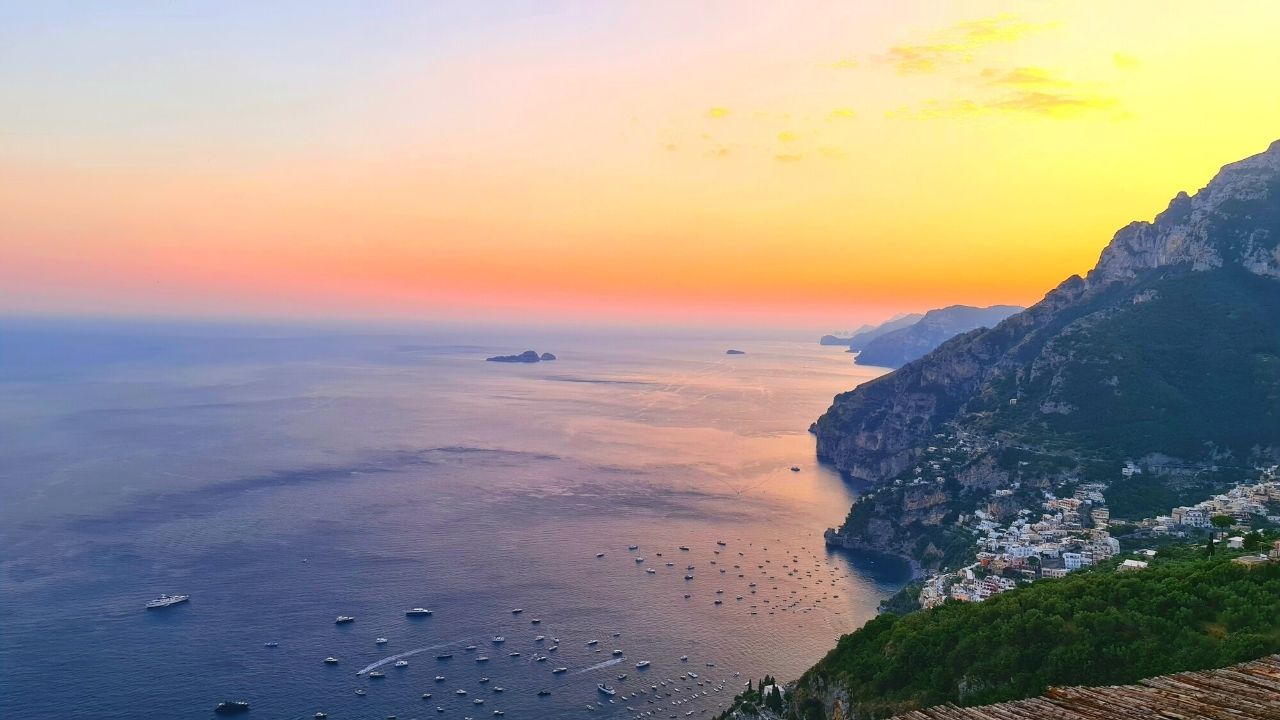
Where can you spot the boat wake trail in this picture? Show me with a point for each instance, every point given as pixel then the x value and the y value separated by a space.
pixel 597 666
pixel 405 654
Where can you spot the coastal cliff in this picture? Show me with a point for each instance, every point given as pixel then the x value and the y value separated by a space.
pixel 1168 347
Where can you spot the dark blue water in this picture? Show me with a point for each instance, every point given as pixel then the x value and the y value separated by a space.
pixel 284 476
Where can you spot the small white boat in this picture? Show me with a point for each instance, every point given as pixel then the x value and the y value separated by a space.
pixel 165 601
pixel 593 642
pixel 331 660
pixel 477 701
pixel 560 671
pixel 343 619
pixel 517 611
pixel 684 658
pixel 642 664
pixel 360 691
pixel 540 638
pixel 439 678
pixel 616 653
pixel 418 612
pixel 482 658
pixel 692 674
pixel 599 555
pixel 633 547
pixel 459 691
pixel 272 644
pixel 606 689
pixel 377 675
pixel 380 641
pixel 484 680
pixel 499 639
pixel 402 663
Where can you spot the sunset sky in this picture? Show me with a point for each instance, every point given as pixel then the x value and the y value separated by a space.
pixel 813 163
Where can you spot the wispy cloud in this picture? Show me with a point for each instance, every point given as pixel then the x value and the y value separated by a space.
pixel 719 112
pixel 958 43
pixel 1048 103
pixel 842 114
pixel 1125 61
pixel 1022 77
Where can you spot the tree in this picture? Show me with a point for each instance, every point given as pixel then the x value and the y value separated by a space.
pixel 1222 522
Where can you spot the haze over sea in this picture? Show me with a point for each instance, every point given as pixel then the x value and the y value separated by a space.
pixel 282 476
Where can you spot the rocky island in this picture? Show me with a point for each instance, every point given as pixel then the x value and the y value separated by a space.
pixel 528 356
pixel 735 352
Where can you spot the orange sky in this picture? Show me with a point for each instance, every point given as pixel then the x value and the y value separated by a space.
pixel 821 164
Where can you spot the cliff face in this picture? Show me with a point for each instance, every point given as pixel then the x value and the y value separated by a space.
pixel 987 378
pixel 897 348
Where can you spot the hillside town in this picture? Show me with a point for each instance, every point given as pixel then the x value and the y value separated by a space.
pixel 1070 533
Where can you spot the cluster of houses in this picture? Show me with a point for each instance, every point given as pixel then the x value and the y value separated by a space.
pixel 1242 503
pixel 1069 534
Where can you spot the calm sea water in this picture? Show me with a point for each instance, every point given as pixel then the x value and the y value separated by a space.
pixel 284 477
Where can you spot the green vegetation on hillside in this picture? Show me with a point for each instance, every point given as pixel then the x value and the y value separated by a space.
pixel 1095 627
pixel 1194 365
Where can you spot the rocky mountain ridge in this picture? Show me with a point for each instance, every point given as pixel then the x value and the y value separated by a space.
pixel 1232 226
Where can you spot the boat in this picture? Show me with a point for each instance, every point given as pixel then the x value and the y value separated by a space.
pixel 444 656
pixel 599 555
pixel 560 671
pixel 165 601
pixel 650 570
pixel 477 701
pixel 543 693
pixel 439 678
pixel 497 689
pixel 402 663
pixel 470 648
pixel 684 658
pixel 721 543
pixel 439 709
pixel 377 675
pixel 498 713
pixel 540 658
pixel 536 621
pixel 320 716
pixel 459 692
pixel 360 691
pixel 513 654
pixel 517 611
pixel 331 660
pixel 684 548
pixel 606 689
pixel 540 638
pixel 639 559
pixel 499 639
pixel 484 680
pixel 380 641
pixel 617 653
pixel 622 677
pixel 795 468
pixel 688 577
pixel 231 707
pixel 482 658
pixel 342 619
pixel 617 634
pixel 552 648
pixel 418 612
pixel 271 644
pixel 426 696
pixel 687 596
pixel 633 547
pixel 692 674
pixel 593 642
pixel 642 664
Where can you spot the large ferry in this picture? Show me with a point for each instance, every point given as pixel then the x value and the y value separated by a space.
pixel 165 601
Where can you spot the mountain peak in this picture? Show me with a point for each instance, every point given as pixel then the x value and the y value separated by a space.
pixel 1230 221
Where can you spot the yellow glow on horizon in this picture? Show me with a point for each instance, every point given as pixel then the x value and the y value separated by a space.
pixel 810 164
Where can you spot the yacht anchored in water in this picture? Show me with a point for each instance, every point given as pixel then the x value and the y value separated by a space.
pixel 418 612
pixel 165 601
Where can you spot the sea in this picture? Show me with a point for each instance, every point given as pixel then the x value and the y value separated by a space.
pixel 283 475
